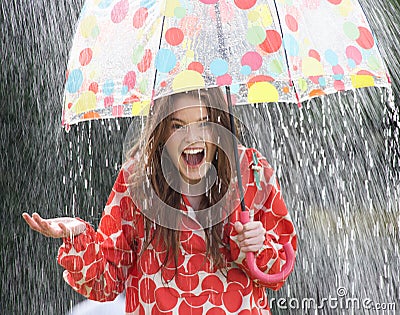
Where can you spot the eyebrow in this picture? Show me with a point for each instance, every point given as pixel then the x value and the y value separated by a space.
pixel 185 123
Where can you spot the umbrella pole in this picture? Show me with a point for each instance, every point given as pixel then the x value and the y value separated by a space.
pixel 235 148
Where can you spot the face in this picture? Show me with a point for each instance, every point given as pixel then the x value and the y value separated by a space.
pixel 190 139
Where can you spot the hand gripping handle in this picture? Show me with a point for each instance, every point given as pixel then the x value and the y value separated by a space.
pixel 257 273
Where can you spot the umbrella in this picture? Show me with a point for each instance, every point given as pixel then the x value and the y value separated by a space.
pixel 126 53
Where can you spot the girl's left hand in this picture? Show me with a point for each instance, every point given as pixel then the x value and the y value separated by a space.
pixel 251 235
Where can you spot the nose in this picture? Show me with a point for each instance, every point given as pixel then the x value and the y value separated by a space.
pixel 194 133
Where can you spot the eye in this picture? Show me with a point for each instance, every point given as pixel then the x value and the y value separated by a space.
pixel 205 124
pixel 177 126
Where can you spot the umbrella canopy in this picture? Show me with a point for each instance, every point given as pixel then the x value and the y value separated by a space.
pixel 127 53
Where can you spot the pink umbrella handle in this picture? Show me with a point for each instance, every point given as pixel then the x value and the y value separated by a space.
pixel 257 273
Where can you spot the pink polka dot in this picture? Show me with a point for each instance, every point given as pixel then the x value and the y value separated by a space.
pixel 140 17
pixel 354 53
pixel 335 2
pixel 130 80
pixel 209 1
pixel 85 56
pixel 252 59
pixel 366 39
pixel 225 79
pixel 120 11
pixel 291 23
pixel 337 69
pixel 108 101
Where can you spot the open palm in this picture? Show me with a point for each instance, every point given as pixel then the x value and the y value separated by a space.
pixel 56 227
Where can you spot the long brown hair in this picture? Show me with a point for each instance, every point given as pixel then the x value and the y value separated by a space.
pixel 147 153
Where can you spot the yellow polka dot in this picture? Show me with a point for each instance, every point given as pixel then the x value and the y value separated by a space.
pixel 266 15
pixel 87 25
pixel 190 53
pixel 140 108
pixel 187 80
pixel 170 7
pixel 85 103
pixel 346 7
pixel 311 67
pixel 253 15
pixel 262 92
pixel 360 81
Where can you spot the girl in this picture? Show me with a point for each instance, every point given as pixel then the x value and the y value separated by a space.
pixel 170 234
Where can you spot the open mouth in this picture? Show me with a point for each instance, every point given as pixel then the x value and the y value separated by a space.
pixel 193 157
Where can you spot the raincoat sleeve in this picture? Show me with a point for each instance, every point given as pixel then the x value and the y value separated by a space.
pixel 269 207
pixel 96 263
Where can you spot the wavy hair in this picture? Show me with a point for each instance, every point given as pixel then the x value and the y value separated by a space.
pixel 147 154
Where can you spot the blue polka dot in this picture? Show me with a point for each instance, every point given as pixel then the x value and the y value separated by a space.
pixel 74 82
pixel 108 87
pixel 124 90
pixel 322 81
pixel 291 45
pixel 331 57
pixel 219 67
pixel 147 3
pixel 246 70
pixel 104 4
pixel 352 64
pixel 338 77
pixel 235 88
pixel 165 60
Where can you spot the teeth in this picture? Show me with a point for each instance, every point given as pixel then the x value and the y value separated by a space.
pixel 192 151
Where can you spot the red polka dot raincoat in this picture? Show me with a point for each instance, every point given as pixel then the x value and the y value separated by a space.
pixel 100 265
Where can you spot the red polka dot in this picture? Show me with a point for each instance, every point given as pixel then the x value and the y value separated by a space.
pixel 140 17
pixel 196 66
pixel 145 63
pixel 272 42
pixel 366 39
pixel 184 308
pixel 147 288
pixel 69 105
pixel 216 311
pixel 120 11
pixel 149 262
pixel 89 256
pixel 314 54
pixel 166 298
pixel 245 4
pixel 72 263
pixel 232 301
pixel 174 36
pixel 109 225
pixel 237 275
pixel 94 87
pixel 196 263
pixel 127 208
pixel 335 2
pixel 85 56
pixel 163 84
pixel 245 312
pixel 196 245
pixel 212 283
pixel 291 23
pixel 187 283
pixel 284 227
pixel 196 301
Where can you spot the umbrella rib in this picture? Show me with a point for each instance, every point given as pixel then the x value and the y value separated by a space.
pixel 291 83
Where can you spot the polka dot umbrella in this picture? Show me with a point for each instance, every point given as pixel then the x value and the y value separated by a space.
pixel 127 53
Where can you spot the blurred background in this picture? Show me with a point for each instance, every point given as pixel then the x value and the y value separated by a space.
pixel 338 162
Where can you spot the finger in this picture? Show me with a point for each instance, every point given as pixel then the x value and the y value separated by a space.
pixel 32 224
pixel 42 223
pixel 238 226
pixel 65 231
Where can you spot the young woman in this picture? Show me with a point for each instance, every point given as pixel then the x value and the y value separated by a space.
pixel 170 234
